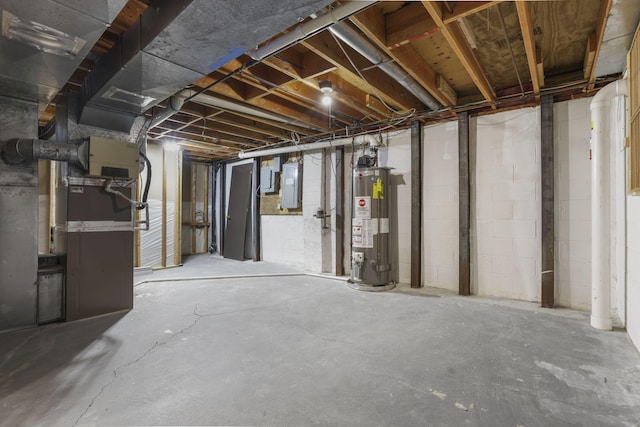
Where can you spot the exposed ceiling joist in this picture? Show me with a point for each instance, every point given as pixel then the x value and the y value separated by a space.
pixel 526 26
pixel 460 9
pixel 603 14
pixel 391 92
pixel 408 24
pixel 372 23
pixel 456 39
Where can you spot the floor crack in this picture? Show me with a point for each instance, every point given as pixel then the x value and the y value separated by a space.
pixel 155 345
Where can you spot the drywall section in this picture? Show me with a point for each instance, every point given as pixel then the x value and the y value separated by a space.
pixel 505 205
pixel 249 231
pixel 160 246
pixel 440 216
pixel 633 269
pixel 572 176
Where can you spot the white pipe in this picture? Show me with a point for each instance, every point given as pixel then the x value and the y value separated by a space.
pixel 303 31
pixel 600 183
pixel 362 139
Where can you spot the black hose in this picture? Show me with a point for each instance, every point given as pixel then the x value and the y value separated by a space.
pixel 147 184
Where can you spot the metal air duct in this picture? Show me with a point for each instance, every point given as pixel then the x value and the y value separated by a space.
pixel 42 42
pixel 371 53
pixel 306 30
pixel 174 43
pixel 18 150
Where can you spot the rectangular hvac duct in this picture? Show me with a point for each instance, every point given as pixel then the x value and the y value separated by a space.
pixel 42 42
pixel 174 43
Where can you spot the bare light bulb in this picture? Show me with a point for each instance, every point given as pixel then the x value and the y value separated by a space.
pixel 326 100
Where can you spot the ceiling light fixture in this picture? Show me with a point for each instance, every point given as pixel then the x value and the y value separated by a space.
pixel 326 89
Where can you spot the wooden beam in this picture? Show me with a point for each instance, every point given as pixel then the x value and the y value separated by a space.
pixel 271 105
pixel 466 8
pixel 548 209
pixel 456 39
pixel 464 199
pixel 603 14
pixel 407 24
pixel 392 92
pixel 590 55
pixel 416 204
pixel 371 23
pixel 526 26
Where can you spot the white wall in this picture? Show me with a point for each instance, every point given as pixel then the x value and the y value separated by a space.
pixel 633 269
pixel 282 239
pixel 441 212
pixel 572 203
pixel 397 155
pixel 505 206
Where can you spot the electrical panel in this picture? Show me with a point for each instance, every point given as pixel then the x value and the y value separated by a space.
pixel 113 159
pixel 291 187
pixel 268 182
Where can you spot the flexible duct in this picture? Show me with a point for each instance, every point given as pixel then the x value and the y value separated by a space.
pixel 304 31
pixel 600 184
pixel 393 70
pixel 16 151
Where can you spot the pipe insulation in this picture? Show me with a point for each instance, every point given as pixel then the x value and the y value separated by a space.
pixel 600 195
pixel 306 30
pixel 365 48
pixel 18 150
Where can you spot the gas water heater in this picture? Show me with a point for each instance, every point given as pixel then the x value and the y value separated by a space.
pixel 370 263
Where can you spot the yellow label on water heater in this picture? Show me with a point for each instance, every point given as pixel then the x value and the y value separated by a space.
pixel 378 189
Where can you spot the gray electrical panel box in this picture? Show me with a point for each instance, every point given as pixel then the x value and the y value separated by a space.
pixel 267 180
pixel 290 186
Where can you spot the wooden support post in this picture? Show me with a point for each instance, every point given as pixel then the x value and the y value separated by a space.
pixel 255 211
pixel 416 204
pixel 464 258
pixel 548 235
pixel 340 211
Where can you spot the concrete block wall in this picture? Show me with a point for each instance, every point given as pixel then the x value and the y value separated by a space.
pixel 282 239
pixel 572 203
pixel 505 206
pixel 440 206
pixel 397 155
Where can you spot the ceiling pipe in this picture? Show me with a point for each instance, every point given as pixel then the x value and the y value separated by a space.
pixel 600 192
pixel 358 140
pixel 382 61
pixel 306 30
pixel 177 101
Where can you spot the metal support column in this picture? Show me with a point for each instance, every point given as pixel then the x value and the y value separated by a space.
pixel 255 211
pixel 464 259
pixel 416 204
pixel 548 236
pixel 223 206
pixel 340 211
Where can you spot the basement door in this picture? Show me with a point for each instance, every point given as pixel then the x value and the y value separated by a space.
pixel 238 212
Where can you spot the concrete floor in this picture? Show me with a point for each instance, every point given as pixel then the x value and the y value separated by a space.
pixel 301 350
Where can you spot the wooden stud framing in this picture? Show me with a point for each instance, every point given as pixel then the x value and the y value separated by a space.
pixel 339 212
pixel 177 222
pixel 255 210
pixel 164 209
